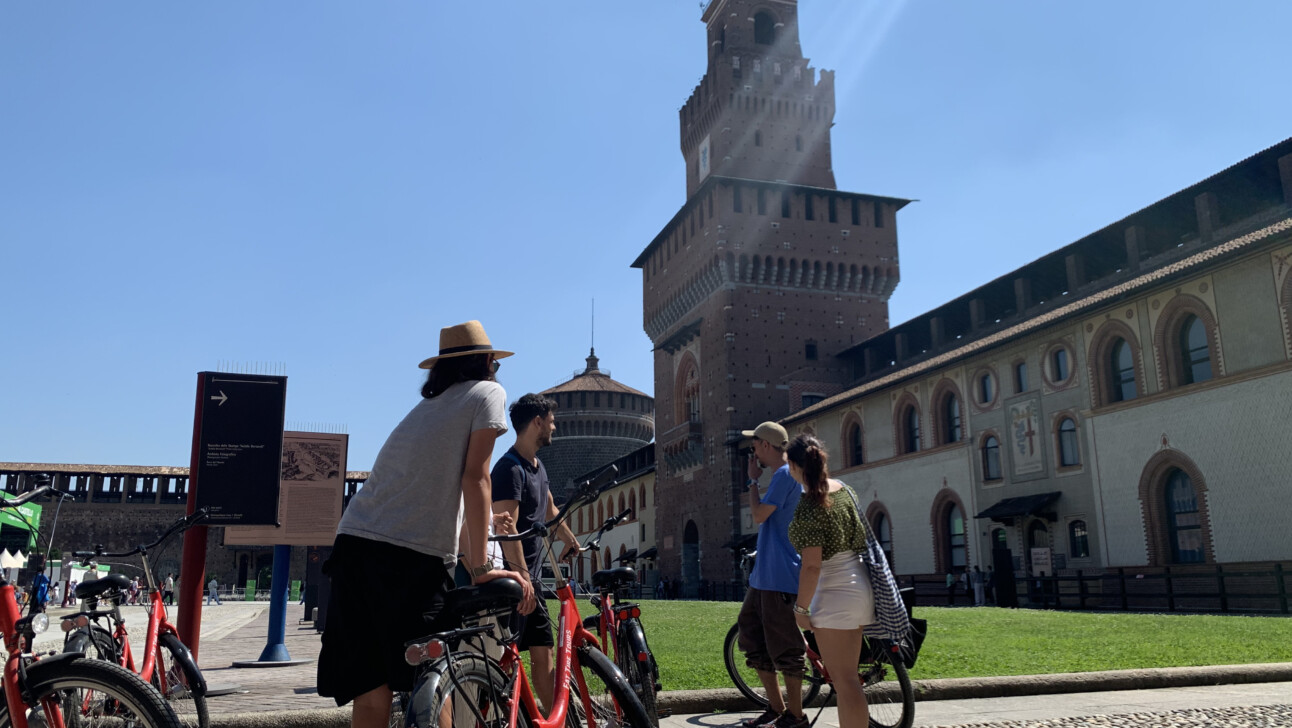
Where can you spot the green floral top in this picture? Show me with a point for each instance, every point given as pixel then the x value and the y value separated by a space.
pixel 835 529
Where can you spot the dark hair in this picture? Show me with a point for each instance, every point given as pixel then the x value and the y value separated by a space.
pixel 808 453
pixel 524 410
pixel 447 372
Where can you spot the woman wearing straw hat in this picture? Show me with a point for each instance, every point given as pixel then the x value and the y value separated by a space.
pixel 403 527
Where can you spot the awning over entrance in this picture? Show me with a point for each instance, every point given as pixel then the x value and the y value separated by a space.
pixel 1008 509
pixel 649 553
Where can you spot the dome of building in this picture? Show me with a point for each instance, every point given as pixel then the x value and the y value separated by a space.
pixel 597 421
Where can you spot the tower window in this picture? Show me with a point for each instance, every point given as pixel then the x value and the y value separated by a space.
pixel 798 142
pixel 785 204
pixel 809 350
pixel 758 138
pixel 879 214
pixel 856 212
pixel 834 210
pixel 735 199
pixel 808 212
pixel 764 29
pixel 762 202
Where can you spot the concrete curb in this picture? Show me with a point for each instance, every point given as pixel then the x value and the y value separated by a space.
pixel 730 700
pixel 685 702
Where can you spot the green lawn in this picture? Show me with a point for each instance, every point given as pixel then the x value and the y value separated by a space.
pixel 686 638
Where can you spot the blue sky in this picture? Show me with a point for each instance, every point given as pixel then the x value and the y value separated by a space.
pixel 326 184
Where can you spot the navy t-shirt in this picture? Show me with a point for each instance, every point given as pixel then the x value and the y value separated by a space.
pixel 515 479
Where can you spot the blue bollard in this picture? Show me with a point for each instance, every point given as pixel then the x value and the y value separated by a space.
pixel 275 646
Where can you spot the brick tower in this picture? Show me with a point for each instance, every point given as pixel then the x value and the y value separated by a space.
pixel 764 275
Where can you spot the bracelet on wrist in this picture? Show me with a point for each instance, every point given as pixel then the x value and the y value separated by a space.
pixel 802 610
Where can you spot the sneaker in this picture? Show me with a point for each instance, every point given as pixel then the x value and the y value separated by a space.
pixel 768 717
pixel 787 720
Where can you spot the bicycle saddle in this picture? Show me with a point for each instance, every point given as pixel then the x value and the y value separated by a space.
pixel 500 595
pixel 612 577
pixel 88 589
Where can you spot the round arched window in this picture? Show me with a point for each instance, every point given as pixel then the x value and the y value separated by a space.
pixel 1195 356
pixel 1123 371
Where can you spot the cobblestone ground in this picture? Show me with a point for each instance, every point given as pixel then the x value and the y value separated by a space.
pixel 1255 716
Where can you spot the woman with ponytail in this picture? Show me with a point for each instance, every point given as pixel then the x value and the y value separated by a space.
pixel 835 599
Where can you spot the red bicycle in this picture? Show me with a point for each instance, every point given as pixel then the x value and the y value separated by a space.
pixel 167 664
pixel 618 624
pixel 484 692
pixel 66 690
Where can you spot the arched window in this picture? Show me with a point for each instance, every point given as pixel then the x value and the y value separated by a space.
pixel 999 539
pixel 1195 354
pixel 623 504
pixel 957 549
pixel 855 451
pixel 911 430
pixel 632 503
pixel 1122 363
pixel 642 499
pixel 1038 537
pixel 1068 453
pixel 1078 540
pixel 951 431
pixel 764 29
pixel 1183 521
pixel 1020 377
pixel 884 534
pixel 601 515
pixel 1059 366
pixel 986 389
pixel 991 458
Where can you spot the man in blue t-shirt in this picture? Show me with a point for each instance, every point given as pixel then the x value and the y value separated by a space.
pixel 769 636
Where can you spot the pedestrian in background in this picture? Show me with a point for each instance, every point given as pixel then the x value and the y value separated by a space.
pixel 991 584
pixel 168 589
pixel 213 592
pixel 951 589
pixel 979 593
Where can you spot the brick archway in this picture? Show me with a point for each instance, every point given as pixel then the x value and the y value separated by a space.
pixel 1099 368
pixel 686 387
pixel 1152 500
pixel 1166 338
pixel 849 458
pixel 943 502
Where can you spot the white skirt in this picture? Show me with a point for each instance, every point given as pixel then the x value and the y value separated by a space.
pixel 843 598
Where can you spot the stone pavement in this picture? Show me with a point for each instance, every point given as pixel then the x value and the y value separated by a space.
pixel 1260 704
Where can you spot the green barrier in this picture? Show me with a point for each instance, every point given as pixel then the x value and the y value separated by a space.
pixel 295 594
pixel 250 595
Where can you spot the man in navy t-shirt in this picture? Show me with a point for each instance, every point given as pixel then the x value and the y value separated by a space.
pixel 521 489
pixel 769 636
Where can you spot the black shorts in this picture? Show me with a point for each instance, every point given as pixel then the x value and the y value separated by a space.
pixel 380 596
pixel 535 629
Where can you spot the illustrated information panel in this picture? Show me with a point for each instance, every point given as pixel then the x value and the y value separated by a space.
pixel 309 505
pixel 240 447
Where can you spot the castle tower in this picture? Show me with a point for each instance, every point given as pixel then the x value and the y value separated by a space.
pixel 764 275
pixel 597 421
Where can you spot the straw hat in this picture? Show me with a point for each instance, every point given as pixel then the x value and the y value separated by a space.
pixel 464 340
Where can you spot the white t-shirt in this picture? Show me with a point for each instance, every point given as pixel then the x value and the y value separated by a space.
pixel 413 497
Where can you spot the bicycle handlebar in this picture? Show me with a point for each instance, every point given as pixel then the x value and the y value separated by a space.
pixel 179 525
pixel 31 495
pixel 588 491
pixel 594 541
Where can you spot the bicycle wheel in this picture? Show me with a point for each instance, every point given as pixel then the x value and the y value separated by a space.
pixel 608 698
pixel 746 679
pixel 90 693
pixel 889 693
pixel 640 676
pixel 169 679
pixel 473 688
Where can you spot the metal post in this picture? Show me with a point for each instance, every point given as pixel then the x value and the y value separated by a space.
pixel 1282 586
pixel 192 573
pixel 1081 590
pixel 275 646
pixel 1170 590
pixel 1220 582
pixel 1121 579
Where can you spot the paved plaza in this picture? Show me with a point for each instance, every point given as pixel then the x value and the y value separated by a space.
pixel 236 631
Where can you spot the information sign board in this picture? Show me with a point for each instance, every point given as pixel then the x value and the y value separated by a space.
pixel 240 444
pixel 310 494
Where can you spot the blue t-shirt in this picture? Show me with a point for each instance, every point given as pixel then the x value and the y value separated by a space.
pixel 777 565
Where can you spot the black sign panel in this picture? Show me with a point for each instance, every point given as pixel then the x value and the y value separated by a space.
pixel 240 447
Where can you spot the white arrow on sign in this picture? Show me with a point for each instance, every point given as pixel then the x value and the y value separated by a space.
pixel 222 398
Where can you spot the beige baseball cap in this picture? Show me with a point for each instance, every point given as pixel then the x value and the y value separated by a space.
pixel 771 433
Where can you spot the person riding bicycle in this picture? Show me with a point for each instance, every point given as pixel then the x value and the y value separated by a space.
pixel 835 599
pixel 402 527
pixel 768 636
pixel 522 491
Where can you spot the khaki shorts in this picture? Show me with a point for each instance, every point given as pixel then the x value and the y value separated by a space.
pixel 769 636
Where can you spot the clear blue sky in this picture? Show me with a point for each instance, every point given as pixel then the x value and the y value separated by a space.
pixel 326 184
